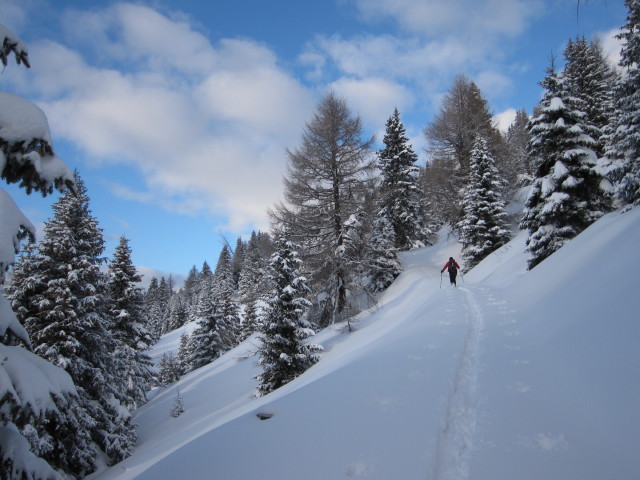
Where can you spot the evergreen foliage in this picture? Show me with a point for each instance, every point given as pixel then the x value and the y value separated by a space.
pixel 400 192
pixel 623 139
pixel 129 327
pixel 384 264
pixel 484 226
pixel 178 405
pixel 283 354
pixel 517 139
pixel 61 297
pixel 565 197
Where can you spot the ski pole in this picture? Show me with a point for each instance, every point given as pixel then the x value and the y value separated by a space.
pixel 440 279
pixel 462 276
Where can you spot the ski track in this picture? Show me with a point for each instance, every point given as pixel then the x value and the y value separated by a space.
pixel 455 438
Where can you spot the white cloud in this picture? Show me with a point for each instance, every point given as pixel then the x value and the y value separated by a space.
pixel 503 120
pixel 206 124
pixel 469 19
pixel 373 99
pixel 611 46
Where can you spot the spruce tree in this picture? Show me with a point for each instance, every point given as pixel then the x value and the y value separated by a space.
pixel 517 139
pixel 384 262
pixel 61 296
pixel 283 354
pixel 484 226
pixel 589 81
pixel 130 324
pixel 399 192
pixel 565 197
pixel 623 139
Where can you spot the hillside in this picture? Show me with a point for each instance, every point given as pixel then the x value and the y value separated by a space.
pixel 514 374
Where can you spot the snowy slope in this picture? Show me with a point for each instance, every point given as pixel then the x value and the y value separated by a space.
pixel 514 374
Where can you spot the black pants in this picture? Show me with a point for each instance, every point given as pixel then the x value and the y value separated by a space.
pixel 452 276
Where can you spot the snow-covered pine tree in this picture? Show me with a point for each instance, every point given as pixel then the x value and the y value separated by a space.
pixel 168 369
pixel 206 341
pixel 185 353
pixel 178 405
pixel 228 323
pixel 130 323
pixel 484 226
pixel 252 282
pixel 384 262
pixel 283 353
pixel 517 139
pixel 237 261
pixel 589 81
pixel 400 193
pixel 623 139
pixel 565 197
pixel 38 401
pixel 61 297
pixel 177 311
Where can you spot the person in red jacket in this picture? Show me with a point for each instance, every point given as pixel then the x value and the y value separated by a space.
pixel 452 266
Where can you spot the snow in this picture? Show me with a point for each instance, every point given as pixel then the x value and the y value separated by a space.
pixel 21 120
pixel 13 221
pixel 514 374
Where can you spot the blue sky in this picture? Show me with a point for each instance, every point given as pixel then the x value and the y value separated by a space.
pixel 177 114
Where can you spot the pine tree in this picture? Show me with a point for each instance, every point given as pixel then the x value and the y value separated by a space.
pixel 400 192
pixel 565 197
pixel 185 353
pixel 517 139
pixel 237 262
pixel 178 405
pixel 283 354
pixel 484 226
pixel 168 369
pixel 589 80
pixel 130 324
pixel 61 297
pixel 384 265
pixel 252 283
pixel 623 139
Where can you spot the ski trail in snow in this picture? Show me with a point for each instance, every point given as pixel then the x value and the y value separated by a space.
pixel 455 438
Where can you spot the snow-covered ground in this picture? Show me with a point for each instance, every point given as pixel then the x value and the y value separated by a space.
pixel 512 375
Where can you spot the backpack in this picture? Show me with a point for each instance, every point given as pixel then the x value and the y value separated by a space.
pixel 452 267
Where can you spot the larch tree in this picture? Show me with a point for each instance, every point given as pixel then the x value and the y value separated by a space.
pixel 484 226
pixel 61 297
pixel 324 182
pixel 283 353
pixel 130 323
pixel 463 115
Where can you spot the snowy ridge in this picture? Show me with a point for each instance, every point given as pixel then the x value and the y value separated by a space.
pixel 513 374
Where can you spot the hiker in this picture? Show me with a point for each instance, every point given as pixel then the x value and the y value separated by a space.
pixel 453 267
